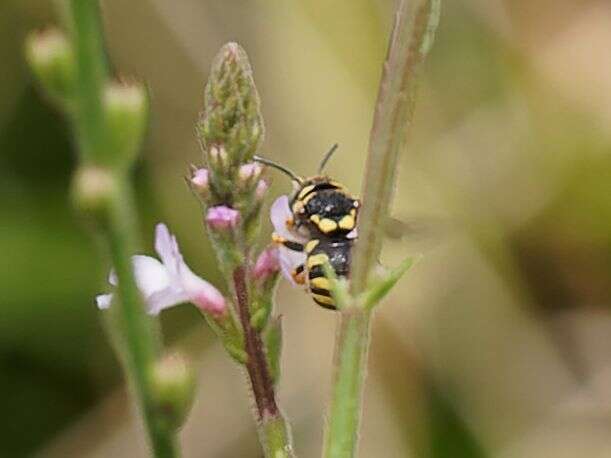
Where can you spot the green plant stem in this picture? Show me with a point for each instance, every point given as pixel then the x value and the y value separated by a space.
pixel 410 41
pixel 136 333
pixel 91 78
pixel 349 363
pixel 276 438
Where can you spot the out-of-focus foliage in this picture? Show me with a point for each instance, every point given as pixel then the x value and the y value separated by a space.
pixel 497 343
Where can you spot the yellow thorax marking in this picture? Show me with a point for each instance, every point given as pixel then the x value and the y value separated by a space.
pixel 308 198
pixel 321 283
pixel 297 206
pixel 347 222
pixel 327 225
pixel 304 192
pixel 317 260
pixel 311 245
pixel 315 219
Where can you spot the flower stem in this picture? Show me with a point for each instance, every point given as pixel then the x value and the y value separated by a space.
pixel 138 334
pixel 273 428
pixel 106 192
pixel 91 77
pixel 411 39
pixel 349 364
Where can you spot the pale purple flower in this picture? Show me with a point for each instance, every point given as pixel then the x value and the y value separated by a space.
pixel 280 213
pixel 222 217
pixel 200 178
pixel 267 264
pixel 169 282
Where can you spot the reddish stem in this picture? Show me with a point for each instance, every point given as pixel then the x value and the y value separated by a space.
pixel 256 365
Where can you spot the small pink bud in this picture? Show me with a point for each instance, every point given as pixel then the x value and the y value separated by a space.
pixel 267 264
pixel 200 179
pixel 222 217
pixel 261 189
pixel 249 171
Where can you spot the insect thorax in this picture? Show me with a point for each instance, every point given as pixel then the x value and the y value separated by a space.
pixel 324 207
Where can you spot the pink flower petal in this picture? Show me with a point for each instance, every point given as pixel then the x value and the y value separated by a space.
pixel 280 213
pixel 164 299
pixel 222 217
pixel 151 276
pixel 170 283
pixel 289 260
pixel 267 264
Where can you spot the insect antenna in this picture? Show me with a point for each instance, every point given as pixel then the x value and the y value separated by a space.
pixel 325 159
pixel 283 169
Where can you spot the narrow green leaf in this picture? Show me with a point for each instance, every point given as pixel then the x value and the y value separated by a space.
pixel 382 286
pixel 273 345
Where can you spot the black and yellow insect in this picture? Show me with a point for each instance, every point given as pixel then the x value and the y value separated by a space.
pixel 326 214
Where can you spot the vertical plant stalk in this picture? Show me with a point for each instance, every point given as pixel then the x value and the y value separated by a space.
pixel 256 365
pixel 273 429
pixel 411 39
pixel 137 334
pixel 231 131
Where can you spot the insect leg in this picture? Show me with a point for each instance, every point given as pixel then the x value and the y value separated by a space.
pixel 294 246
pixel 298 274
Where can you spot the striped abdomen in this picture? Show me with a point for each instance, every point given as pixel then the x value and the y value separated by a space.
pixel 319 251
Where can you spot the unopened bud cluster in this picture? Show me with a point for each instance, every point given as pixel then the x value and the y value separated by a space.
pixel 231 186
pixel 230 129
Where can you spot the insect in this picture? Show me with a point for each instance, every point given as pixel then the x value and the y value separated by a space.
pixel 322 212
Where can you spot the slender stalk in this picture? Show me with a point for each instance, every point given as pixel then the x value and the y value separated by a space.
pixel 411 39
pixel 91 78
pixel 256 365
pixel 139 342
pixel 273 429
pixel 137 334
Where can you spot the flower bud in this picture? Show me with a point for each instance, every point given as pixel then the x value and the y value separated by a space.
pixel 93 188
pixel 267 264
pixel 231 115
pixel 173 389
pixel 126 107
pixel 51 58
pixel 250 171
pixel 261 189
pixel 199 181
pixel 222 218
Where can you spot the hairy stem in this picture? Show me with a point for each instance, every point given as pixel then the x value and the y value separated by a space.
pixel 411 39
pixel 273 428
pixel 260 378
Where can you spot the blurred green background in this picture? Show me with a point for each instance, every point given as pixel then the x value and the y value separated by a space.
pixel 496 344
